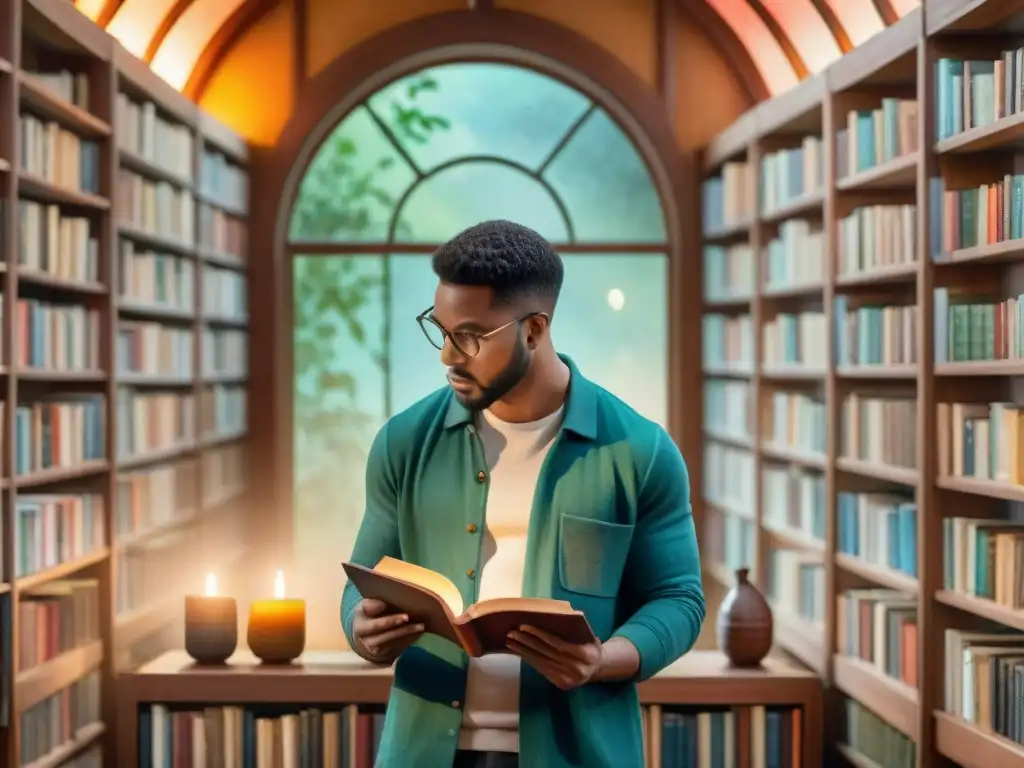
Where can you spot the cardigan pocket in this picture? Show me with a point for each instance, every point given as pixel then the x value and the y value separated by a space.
pixel 592 555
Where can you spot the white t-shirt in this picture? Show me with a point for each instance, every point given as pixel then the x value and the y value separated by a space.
pixel 514 455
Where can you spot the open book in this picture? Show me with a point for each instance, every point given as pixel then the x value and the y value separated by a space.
pixel 432 600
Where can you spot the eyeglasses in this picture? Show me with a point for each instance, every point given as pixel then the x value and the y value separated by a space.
pixel 466 342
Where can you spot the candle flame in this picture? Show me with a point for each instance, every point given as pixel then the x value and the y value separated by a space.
pixel 279 586
pixel 211 585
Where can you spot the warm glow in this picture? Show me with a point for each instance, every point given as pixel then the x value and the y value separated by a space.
pixel 808 32
pixel 136 21
pixel 188 38
pixel 754 35
pixel 903 7
pixel 616 299
pixel 279 586
pixel 90 8
pixel 860 19
pixel 211 585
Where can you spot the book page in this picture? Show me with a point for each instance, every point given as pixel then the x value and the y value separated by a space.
pixel 423 577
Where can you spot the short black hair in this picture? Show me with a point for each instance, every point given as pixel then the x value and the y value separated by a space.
pixel 511 259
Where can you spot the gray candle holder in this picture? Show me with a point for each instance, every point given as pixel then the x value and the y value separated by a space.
pixel 211 628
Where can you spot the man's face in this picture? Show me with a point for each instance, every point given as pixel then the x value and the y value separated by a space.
pixel 468 312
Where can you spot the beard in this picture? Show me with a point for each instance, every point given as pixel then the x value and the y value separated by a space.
pixel 503 383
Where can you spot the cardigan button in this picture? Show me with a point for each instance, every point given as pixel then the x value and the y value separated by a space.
pixel 471 528
pixel 456 704
pixel 480 476
pixel 471 573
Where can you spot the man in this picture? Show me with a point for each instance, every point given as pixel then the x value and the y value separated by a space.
pixel 523 478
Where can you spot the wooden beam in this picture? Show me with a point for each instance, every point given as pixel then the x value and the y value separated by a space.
pixel 834 26
pixel 886 11
pixel 230 32
pixel 724 38
pixel 665 38
pixel 300 24
pixel 110 8
pixel 164 29
pixel 795 59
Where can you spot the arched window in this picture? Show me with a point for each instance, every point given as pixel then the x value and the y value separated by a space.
pixel 421 159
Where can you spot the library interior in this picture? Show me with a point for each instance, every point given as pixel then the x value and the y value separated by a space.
pixel 797 204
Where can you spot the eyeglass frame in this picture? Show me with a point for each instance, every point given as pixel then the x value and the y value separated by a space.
pixel 425 316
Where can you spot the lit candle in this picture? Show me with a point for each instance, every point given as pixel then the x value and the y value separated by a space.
pixel 211 625
pixel 277 628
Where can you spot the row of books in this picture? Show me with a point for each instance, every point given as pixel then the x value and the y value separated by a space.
pixel 727 409
pixel 728 342
pixel 981 440
pixel 223 182
pixel 879 529
pixel 875 136
pixel 156 208
pixel 151 500
pixel 982 558
pixel 225 352
pixel 875 335
pixel 729 199
pixel 876 237
pixel 796 256
pixel 796 422
pixel 63 84
pixel 56 243
pixel 221 233
pixel 792 340
pixel 875 739
pixel 55 337
pixel 145 132
pixel 692 738
pixel 60 432
pixel 58 156
pixel 729 541
pixel 983 329
pixel 224 293
pixel 223 473
pixel 728 272
pixel 153 280
pixel 729 477
pixel 965 331
pixel 55 618
pixel 153 349
pixel 796 584
pixel 977 92
pixel 165 568
pixel 58 720
pixel 879 430
pixel 984 680
pixel 49 530
pixel 794 501
pixel 981 215
pixel 153 422
pixel 790 174
pixel 223 411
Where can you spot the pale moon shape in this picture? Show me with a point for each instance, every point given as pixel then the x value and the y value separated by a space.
pixel 616 299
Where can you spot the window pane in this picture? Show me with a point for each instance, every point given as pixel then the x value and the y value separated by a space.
pixel 351 187
pixel 606 187
pixel 461 110
pixel 612 320
pixel 339 405
pixel 471 192
pixel 415 365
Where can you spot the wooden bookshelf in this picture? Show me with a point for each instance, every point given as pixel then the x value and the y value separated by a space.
pixel 906 383
pixel 334 679
pixel 157 484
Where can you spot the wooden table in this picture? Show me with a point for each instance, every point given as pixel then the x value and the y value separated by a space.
pixel 701 678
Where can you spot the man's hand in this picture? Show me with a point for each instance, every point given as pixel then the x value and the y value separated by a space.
pixel 380 634
pixel 565 665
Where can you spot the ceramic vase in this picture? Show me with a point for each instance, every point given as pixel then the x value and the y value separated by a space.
pixel 744 623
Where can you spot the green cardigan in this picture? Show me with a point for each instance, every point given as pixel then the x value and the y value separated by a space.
pixel 611 531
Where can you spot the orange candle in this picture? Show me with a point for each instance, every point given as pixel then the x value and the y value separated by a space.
pixel 277 628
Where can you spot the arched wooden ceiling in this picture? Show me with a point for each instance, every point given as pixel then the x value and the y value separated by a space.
pixel 786 40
